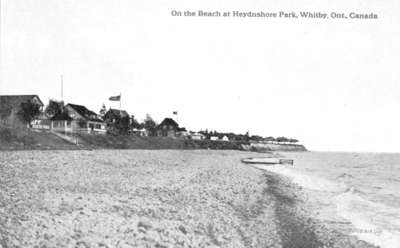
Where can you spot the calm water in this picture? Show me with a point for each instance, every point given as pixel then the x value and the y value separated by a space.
pixel 358 188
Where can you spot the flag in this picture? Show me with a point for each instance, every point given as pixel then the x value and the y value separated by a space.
pixel 115 98
pixel 175 112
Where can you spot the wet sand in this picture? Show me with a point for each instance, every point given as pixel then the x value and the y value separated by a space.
pixel 138 198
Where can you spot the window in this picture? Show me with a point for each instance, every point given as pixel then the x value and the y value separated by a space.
pixel 98 126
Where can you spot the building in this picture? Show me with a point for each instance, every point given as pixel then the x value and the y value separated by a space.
pixel 168 128
pixel 140 132
pixel 113 114
pixel 224 138
pixel 117 120
pixel 11 105
pixel 62 123
pixel 41 122
pixel 84 120
pixel 197 136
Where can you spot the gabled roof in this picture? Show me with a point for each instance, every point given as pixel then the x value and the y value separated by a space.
pixel 61 117
pixel 16 100
pixel 84 112
pixel 169 122
pixel 117 112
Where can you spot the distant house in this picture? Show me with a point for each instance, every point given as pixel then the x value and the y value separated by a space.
pixel 84 120
pixel 214 138
pixel 197 136
pixel 10 106
pixel 168 128
pixel 182 132
pixel 117 120
pixel 224 138
pixel 140 132
pixel 113 114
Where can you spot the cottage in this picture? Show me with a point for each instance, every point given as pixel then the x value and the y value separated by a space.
pixel 11 105
pixel 225 138
pixel 140 132
pixel 168 127
pixel 182 132
pixel 61 123
pixel 84 120
pixel 117 120
pixel 113 114
pixel 197 136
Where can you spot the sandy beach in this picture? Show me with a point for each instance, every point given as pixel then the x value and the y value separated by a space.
pixel 143 198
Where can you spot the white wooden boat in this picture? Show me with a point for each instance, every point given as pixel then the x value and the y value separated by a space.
pixel 270 161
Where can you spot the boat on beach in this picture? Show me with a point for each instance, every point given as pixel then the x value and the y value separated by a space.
pixel 269 161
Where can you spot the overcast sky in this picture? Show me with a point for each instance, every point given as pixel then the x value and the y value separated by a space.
pixel 333 84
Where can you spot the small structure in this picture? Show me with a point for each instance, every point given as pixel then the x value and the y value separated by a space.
pixel 182 133
pixel 168 128
pixel 85 120
pixel 61 123
pixel 214 138
pixel 225 138
pixel 42 122
pixel 197 136
pixel 140 132
pixel 10 106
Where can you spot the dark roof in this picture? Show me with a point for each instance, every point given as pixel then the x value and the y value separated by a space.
pixel 169 122
pixel 61 117
pixel 117 112
pixel 16 100
pixel 84 112
pixel 181 129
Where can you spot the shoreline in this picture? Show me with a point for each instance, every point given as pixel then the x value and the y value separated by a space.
pixel 296 219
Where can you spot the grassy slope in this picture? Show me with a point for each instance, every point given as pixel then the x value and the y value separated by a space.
pixel 24 139
pixel 134 142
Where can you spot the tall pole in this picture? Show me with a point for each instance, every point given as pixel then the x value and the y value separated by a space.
pixel 120 97
pixel 62 88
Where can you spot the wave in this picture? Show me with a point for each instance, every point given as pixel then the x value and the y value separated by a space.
pixel 306 181
pixel 375 223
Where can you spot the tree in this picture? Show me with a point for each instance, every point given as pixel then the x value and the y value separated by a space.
pixel 103 110
pixel 5 110
pixel 150 125
pixel 122 125
pixel 28 111
pixel 294 141
pixel 282 139
pixel 135 124
pixel 269 139
pixel 256 138
pixel 54 107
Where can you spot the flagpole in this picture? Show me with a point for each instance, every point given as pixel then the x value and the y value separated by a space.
pixel 120 96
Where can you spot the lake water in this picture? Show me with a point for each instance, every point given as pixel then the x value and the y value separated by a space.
pixel 358 192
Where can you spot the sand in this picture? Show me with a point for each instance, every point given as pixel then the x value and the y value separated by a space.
pixel 164 198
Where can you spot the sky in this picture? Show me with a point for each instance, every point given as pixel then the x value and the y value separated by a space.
pixel 333 84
